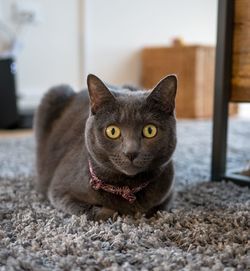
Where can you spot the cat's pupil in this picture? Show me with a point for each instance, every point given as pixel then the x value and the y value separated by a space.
pixel 150 130
pixel 113 131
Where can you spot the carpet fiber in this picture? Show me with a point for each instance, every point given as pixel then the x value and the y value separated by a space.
pixel 207 229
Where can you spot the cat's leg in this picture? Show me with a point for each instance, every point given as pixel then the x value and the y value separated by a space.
pixel 164 206
pixel 103 213
pixel 65 202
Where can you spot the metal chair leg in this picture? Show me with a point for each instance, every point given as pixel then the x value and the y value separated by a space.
pixel 222 87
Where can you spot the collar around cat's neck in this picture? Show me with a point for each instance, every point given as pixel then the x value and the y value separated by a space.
pixel 123 191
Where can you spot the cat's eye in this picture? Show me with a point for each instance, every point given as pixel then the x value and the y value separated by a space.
pixel 113 132
pixel 149 131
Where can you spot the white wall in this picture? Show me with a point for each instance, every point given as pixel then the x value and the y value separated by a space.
pixel 50 53
pixel 116 30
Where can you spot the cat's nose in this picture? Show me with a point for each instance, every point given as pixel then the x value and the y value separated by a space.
pixel 131 155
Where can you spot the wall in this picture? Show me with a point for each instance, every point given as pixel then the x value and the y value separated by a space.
pixel 50 53
pixel 113 31
pixel 116 30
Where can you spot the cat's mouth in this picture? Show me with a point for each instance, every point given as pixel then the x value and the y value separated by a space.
pixel 131 172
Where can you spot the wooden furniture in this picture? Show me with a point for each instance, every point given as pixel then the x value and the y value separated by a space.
pixel 232 78
pixel 194 66
pixel 240 91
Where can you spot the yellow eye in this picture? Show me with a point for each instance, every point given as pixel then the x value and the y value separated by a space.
pixel 149 131
pixel 113 132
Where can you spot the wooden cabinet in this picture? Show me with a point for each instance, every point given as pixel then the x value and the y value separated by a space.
pixel 194 66
pixel 241 52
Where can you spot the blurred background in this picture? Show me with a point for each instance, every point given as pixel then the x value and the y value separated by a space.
pixel 137 42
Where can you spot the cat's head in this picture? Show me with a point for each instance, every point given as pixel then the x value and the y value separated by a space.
pixel 131 131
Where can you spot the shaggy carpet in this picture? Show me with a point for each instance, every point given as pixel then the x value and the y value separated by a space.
pixel 207 229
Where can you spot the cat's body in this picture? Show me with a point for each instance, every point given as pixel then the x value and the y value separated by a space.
pixel 70 135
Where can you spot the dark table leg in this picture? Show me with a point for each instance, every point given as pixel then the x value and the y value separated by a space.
pixel 223 72
pixel 222 87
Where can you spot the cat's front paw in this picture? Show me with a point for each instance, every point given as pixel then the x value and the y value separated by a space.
pixel 103 213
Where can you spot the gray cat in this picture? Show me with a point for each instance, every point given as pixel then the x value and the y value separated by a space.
pixel 108 149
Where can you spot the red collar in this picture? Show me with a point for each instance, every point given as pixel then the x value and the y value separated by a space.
pixel 123 191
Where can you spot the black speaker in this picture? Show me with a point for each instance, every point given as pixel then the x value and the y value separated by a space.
pixel 8 106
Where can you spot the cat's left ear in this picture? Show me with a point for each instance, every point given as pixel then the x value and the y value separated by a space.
pixel 99 94
pixel 164 93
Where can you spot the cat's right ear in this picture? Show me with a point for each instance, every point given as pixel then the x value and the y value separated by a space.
pixel 164 93
pixel 99 94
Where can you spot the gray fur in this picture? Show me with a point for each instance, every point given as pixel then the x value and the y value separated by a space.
pixel 70 132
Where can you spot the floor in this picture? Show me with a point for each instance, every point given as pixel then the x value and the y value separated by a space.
pixel 15 133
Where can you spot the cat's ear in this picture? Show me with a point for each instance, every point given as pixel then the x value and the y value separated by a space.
pixel 99 94
pixel 164 93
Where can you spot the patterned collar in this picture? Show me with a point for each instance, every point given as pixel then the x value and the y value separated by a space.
pixel 123 191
